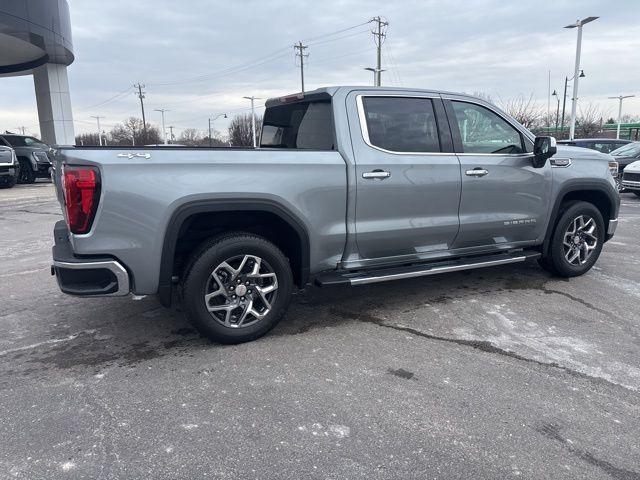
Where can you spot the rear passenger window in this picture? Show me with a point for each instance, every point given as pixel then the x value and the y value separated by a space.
pixel 299 125
pixel 401 124
pixel 483 131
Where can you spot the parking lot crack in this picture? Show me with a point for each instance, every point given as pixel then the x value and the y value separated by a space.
pixel 482 345
pixel 550 291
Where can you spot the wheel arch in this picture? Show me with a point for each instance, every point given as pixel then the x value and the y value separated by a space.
pixel 599 194
pixel 184 216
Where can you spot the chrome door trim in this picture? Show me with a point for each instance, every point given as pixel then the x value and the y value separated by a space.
pixel 365 131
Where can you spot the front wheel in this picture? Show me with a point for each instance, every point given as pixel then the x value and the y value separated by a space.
pixel 7 182
pixel 577 240
pixel 236 288
pixel 27 175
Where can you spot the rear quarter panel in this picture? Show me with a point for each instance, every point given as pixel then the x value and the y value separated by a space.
pixel 140 195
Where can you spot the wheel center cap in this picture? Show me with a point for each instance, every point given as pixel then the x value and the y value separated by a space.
pixel 241 290
pixel 576 240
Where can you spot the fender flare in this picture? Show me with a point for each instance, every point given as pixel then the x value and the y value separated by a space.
pixel 578 185
pixel 185 211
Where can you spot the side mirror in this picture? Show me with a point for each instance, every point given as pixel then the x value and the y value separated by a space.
pixel 543 149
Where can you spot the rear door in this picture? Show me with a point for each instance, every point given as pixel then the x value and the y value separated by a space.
pixel 504 199
pixel 407 176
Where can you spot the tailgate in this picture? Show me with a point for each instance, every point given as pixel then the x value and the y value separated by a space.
pixel 56 176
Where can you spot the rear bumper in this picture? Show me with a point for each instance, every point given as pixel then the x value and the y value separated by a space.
pixel 86 277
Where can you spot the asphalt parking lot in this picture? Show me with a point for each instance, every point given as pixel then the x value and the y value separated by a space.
pixel 496 373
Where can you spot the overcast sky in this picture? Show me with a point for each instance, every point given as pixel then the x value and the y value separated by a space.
pixel 200 57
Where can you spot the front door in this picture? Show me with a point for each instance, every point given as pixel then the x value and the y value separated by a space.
pixel 408 185
pixel 504 198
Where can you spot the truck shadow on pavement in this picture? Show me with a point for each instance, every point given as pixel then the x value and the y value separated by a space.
pixel 104 333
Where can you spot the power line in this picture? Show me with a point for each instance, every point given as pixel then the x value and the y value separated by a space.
pixel 109 100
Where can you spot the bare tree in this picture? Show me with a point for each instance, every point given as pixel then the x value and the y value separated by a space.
pixel 525 111
pixel 240 130
pixel 589 121
pixel 190 137
pixel 130 132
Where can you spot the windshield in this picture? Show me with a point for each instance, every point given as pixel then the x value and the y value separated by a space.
pixel 20 141
pixel 629 150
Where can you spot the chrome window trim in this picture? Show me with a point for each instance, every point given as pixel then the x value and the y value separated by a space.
pixel 364 131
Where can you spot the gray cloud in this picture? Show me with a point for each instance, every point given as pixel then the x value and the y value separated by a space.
pixel 183 52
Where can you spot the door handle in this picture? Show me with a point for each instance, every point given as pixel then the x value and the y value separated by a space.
pixel 477 172
pixel 381 174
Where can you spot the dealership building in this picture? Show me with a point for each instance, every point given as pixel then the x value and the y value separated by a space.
pixel 35 39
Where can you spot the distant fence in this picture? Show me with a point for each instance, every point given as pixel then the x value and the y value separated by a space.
pixel 628 131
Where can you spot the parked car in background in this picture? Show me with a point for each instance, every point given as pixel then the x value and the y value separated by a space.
pixel 631 178
pixel 33 156
pixel 350 186
pixel 8 167
pixel 626 155
pixel 603 145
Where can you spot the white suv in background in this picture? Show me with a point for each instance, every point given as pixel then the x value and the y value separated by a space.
pixel 631 178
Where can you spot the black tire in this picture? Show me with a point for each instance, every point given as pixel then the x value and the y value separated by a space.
pixel 556 261
pixel 7 182
pixel 27 175
pixel 198 275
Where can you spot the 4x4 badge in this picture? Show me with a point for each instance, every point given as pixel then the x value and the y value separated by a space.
pixel 132 155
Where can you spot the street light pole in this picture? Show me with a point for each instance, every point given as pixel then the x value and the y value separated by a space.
pixel 164 130
pixel 213 120
pixel 253 118
pixel 555 94
pixel 99 131
pixel 375 74
pixel 574 101
pixel 620 98
pixel 564 98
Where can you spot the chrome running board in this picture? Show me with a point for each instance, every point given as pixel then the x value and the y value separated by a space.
pixel 364 277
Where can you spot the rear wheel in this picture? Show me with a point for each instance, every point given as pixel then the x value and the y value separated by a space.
pixel 236 288
pixel 27 175
pixel 577 240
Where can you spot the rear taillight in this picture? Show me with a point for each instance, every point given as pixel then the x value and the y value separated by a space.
pixel 81 186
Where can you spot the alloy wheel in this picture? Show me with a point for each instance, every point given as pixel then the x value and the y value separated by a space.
pixel 580 240
pixel 241 291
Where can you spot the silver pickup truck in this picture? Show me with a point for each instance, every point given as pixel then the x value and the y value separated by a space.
pixel 350 186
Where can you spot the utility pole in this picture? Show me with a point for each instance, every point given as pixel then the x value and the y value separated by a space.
pixel 164 130
pixel 253 118
pixel 99 131
pixel 379 36
pixel 171 127
pixel 141 97
pixel 574 101
pixel 620 97
pixel 300 48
